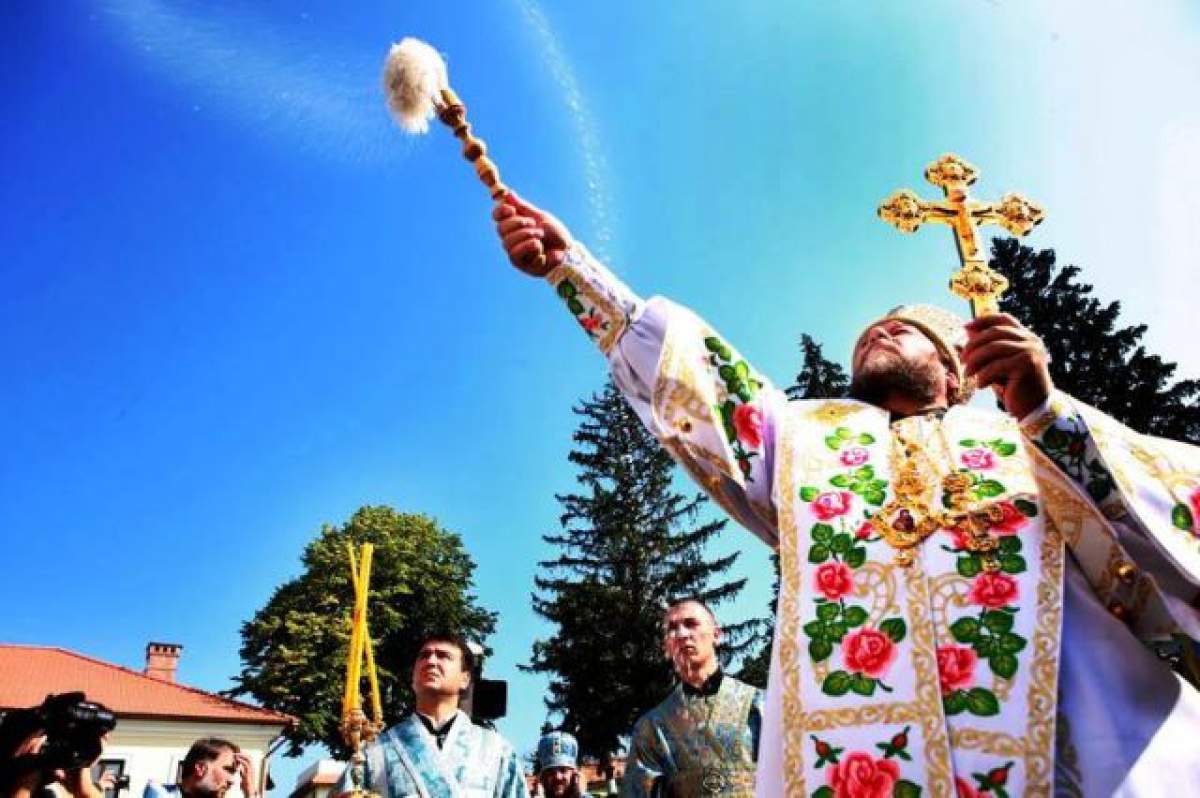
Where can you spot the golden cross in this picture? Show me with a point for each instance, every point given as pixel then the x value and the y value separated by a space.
pixel 975 282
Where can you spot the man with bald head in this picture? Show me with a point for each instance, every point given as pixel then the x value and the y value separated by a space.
pixel 703 739
pixel 970 600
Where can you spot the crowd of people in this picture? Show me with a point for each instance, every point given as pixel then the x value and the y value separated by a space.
pixel 701 740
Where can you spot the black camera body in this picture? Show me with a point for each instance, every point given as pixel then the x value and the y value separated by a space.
pixel 73 728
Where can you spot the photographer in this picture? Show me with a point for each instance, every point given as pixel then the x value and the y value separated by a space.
pixel 56 742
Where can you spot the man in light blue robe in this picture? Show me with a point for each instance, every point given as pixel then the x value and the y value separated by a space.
pixel 436 751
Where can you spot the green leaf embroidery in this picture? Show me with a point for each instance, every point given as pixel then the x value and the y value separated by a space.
pixel 1003 665
pixel 863 685
pixel 865 472
pixel 955 702
pixel 575 306
pixel 1003 448
pixel 822 533
pixel 832 442
pixel 875 497
pixel 713 344
pixel 820 649
pixel 1012 564
pixel 968 443
pixel 968 566
pixel 1181 517
pixel 808 493
pixel 855 616
pixel 843 433
pixel 841 543
pixel 989 488
pixel 905 789
pixel 1026 507
pixel 894 628
pixel 982 702
pixel 818 554
pixel 1011 643
pixel 856 557
pixel 828 611
pixel 566 289
pixel 1009 544
pixel 823 792
pixel 965 630
pixel 742 369
pixel 814 629
pixel 836 683
pixel 866 439
pixel 997 622
pixel 840 481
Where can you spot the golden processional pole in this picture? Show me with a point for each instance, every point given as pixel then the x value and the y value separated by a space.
pixel 356 728
pixel 975 282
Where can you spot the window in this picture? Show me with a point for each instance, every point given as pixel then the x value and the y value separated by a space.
pixel 114 768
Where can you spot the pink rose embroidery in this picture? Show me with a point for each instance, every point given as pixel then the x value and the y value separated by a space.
pixel 832 504
pixel 854 456
pixel 993 590
pixel 1194 500
pixel 864 531
pixel 956 667
pixel 868 651
pixel 978 459
pixel 860 775
pixel 834 580
pixel 590 323
pixel 748 423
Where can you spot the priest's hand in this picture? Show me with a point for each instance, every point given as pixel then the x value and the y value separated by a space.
pixel 1004 354
pixel 527 232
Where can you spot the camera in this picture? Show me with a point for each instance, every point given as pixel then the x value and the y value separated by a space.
pixel 73 727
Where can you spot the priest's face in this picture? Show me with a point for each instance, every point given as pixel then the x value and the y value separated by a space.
pixel 894 358
pixel 690 639
pixel 439 670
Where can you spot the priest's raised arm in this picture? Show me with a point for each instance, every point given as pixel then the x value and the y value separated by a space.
pixel 713 412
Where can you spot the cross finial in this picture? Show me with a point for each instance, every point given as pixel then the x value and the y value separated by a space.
pixel 975 281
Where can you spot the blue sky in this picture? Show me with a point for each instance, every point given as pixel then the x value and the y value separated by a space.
pixel 238 303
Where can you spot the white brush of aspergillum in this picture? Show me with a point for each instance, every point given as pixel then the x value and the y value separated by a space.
pixel 414 77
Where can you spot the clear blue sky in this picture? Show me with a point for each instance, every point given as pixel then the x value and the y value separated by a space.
pixel 237 303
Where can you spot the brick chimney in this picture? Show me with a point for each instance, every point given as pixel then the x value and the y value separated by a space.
pixel 162 659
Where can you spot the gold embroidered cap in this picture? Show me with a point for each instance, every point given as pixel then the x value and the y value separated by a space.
pixel 948 333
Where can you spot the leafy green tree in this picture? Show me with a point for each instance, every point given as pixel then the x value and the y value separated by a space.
pixel 294 649
pixel 629 546
pixel 1093 357
pixel 818 378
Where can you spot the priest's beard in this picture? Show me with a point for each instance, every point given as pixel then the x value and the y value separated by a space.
pixel 890 375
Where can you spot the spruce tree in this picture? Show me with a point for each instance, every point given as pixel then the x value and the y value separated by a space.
pixel 629 546
pixel 1093 357
pixel 818 378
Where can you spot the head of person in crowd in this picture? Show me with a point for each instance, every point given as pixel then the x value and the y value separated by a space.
pixel 442 670
pixel 558 765
pixel 210 768
pixel 691 635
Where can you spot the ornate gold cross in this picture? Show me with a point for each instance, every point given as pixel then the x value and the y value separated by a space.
pixel 975 281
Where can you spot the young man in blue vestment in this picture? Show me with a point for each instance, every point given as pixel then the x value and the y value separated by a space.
pixel 703 739
pixel 436 751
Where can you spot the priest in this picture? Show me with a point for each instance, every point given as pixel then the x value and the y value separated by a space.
pixel 971 601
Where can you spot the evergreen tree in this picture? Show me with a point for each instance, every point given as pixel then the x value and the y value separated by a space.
pixel 818 378
pixel 294 649
pixel 1093 358
pixel 629 546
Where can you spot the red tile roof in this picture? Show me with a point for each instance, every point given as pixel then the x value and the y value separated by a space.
pixel 29 673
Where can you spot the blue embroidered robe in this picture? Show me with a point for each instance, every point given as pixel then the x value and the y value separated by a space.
pixel 473 762
pixel 693 745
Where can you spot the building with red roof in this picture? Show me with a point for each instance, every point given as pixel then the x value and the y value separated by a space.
pixel 157 718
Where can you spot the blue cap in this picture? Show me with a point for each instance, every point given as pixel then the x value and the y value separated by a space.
pixel 557 750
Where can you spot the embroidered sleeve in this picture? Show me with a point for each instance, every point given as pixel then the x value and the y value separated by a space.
pixel 644 776
pixel 601 304
pixel 1060 431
